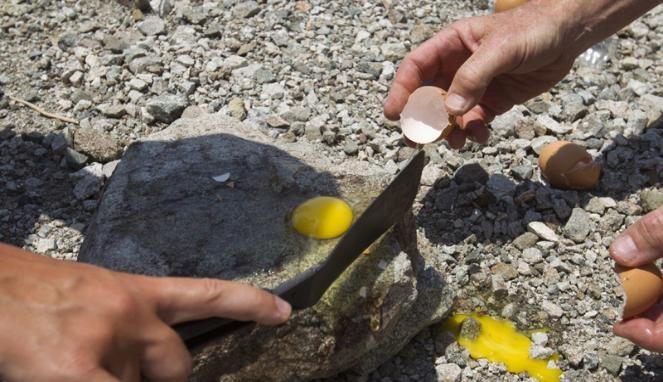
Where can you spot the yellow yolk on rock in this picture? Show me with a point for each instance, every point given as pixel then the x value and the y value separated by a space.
pixel 498 341
pixel 322 217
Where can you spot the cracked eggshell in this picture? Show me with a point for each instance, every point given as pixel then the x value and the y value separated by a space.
pixel 505 5
pixel 642 287
pixel 425 118
pixel 568 165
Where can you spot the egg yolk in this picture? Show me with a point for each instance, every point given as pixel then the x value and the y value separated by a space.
pixel 322 217
pixel 498 341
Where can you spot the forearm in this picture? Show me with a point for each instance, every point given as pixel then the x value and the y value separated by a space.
pixel 587 22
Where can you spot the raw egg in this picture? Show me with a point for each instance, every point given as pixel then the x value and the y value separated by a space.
pixel 425 118
pixel 568 165
pixel 498 341
pixel 322 217
pixel 505 5
pixel 642 288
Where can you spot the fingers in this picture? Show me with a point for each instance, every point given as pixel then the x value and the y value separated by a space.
pixel 457 139
pixel 398 96
pixel 471 80
pixel 475 122
pixel 641 243
pixel 166 358
pixel 183 299
pixel 100 375
pixel 646 331
pixel 124 364
pixel 479 132
pixel 420 66
pixel 642 332
pixel 473 125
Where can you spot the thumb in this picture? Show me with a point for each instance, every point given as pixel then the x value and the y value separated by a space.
pixel 473 77
pixel 641 243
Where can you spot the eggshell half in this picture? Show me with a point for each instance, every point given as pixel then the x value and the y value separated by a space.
pixel 425 118
pixel 505 5
pixel 568 165
pixel 642 288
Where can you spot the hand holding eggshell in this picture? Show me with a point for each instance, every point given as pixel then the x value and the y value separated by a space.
pixel 481 63
pixel 636 251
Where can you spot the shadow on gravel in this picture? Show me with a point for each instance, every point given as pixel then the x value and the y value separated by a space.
pixel 650 370
pixel 33 187
pixel 475 206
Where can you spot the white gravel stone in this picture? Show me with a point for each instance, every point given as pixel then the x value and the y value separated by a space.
pixel 394 51
pixel 542 231
pixel 540 352
pixel 532 255
pixel 137 84
pixel 539 338
pixel 152 26
pixel 430 175
pixel 44 245
pixel 448 372
pixel 186 60
pixel 540 142
pixel 552 309
pixel 234 62
pixel 109 168
pixel 553 126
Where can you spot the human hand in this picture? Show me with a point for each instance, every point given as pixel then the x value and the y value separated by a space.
pixel 488 64
pixel 64 321
pixel 640 244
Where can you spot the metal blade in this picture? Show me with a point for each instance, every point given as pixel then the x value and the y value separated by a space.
pixel 305 289
pixel 390 206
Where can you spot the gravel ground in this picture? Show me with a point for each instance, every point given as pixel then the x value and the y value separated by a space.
pixel 319 70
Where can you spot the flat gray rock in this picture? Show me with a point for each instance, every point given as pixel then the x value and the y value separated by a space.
pixel 211 197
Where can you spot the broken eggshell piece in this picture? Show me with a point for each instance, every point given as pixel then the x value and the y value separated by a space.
pixel 642 288
pixel 568 165
pixel 425 118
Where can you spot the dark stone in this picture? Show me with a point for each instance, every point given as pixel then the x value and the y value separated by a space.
pixel 167 108
pixel 74 159
pixel 470 173
pixel 67 40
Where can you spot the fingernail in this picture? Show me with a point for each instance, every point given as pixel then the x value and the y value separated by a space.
pixel 456 102
pixel 624 249
pixel 284 308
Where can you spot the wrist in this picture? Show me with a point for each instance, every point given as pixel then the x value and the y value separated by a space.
pixel 584 23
